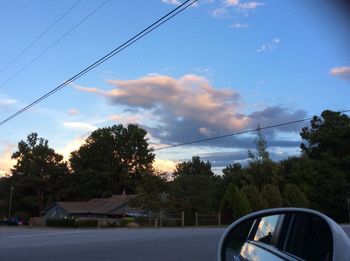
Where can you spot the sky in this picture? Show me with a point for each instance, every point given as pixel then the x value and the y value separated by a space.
pixel 219 67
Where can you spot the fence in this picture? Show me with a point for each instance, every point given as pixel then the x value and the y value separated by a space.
pixel 165 219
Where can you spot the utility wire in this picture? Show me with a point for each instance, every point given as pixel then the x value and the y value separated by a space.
pixel 117 50
pixel 53 44
pixel 239 133
pixel 39 37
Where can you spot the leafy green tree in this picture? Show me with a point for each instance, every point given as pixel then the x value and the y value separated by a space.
pixel 328 136
pixel 193 167
pixel 294 197
pixel 272 196
pixel 153 194
pixel 326 142
pixel 261 153
pixel 234 173
pixel 194 189
pixel 254 197
pixel 261 168
pixel 119 155
pixel 234 204
pixel 37 174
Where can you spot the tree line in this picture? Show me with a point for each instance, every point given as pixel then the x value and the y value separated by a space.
pixel 117 158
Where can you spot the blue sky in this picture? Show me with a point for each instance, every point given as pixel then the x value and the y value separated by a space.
pixel 219 67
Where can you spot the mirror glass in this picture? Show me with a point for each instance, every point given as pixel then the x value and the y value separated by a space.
pixel 277 237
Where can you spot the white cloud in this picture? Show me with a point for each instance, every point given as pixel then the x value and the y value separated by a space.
pixel 80 126
pixel 231 2
pixel 6 163
pixel 239 26
pixel 8 102
pixel 236 6
pixel 250 5
pixel 171 2
pixel 219 12
pixel 73 112
pixel 341 72
pixel 72 146
pixel 272 45
pixel 164 165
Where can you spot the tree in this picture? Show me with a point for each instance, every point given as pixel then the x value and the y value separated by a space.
pixel 261 153
pixel 234 173
pixel 254 197
pixel 261 168
pixel 37 174
pixel 193 167
pixel 121 155
pixel 272 196
pixel 152 194
pixel 294 197
pixel 326 143
pixel 234 204
pixel 194 189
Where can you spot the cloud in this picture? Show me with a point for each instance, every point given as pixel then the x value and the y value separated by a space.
pixel 250 5
pixel 272 45
pixel 341 72
pixel 8 102
pixel 164 165
pixel 231 2
pixel 72 146
pixel 237 6
pixel 73 112
pixel 6 162
pixel 220 12
pixel 79 126
pixel 191 108
pixel 239 26
pixel 171 2
pixel 222 159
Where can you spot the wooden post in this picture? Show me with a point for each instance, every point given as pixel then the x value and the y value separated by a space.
pixel 155 221
pixel 183 218
pixel 161 219
pixel 150 218
pixel 219 219
pixel 196 219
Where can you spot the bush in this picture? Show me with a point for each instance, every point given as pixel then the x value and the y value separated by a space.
pixel 142 221
pixel 71 222
pixel 86 223
pixel 60 222
pixel 126 220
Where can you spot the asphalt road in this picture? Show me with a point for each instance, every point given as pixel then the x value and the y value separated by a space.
pixel 108 244
pixel 19 243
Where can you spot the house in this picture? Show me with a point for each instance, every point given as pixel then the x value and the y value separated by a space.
pixel 113 207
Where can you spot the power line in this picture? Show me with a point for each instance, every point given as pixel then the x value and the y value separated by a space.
pixel 39 36
pixel 117 50
pixel 239 133
pixel 54 43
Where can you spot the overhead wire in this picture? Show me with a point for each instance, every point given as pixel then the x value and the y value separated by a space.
pixel 53 44
pixel 240 133
pixel 39 36
pixel 180 8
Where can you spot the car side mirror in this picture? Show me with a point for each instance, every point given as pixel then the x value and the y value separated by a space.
pixel 284 234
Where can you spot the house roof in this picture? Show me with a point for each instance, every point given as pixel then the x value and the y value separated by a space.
pixel 96 205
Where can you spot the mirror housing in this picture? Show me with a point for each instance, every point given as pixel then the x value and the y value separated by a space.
pixel 288 230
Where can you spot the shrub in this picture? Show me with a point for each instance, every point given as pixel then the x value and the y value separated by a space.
pixel 86 223
pixel 142 221
pixel 60 222
pixel 126 220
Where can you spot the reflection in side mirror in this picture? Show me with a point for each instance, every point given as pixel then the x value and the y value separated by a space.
pixel 284 234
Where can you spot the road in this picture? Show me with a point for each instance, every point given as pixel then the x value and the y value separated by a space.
pixel 43 244
pixel 108 244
